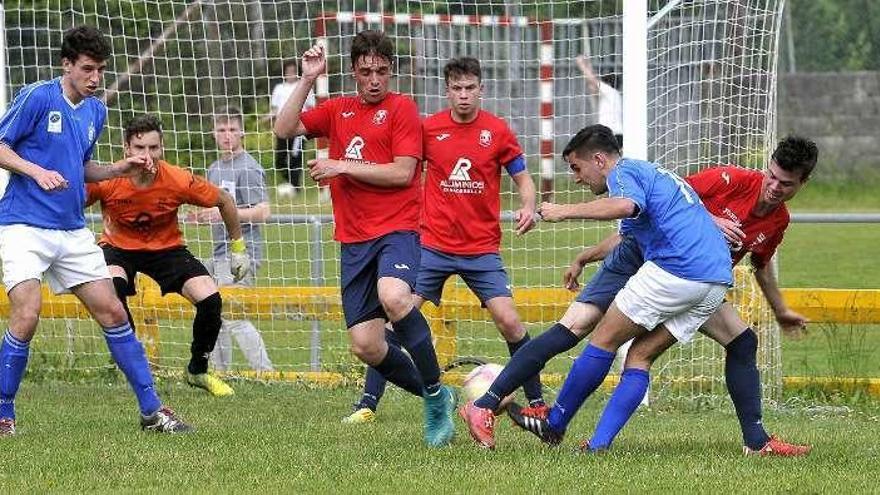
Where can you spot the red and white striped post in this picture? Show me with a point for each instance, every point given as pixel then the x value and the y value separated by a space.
pixel 546 94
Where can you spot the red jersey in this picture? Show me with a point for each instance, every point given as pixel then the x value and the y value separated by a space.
pixel 463 182
pixel 732 192
pixel 372 134
pixel 145 218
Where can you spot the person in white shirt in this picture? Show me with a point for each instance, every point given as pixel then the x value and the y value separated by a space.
pixel 288 152
pixel 608 100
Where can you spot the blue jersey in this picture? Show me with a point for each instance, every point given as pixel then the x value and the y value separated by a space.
pixel 672 227
pixel 44 128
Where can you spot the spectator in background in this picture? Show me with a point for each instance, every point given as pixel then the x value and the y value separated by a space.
pixel 288 152
pixel 607 97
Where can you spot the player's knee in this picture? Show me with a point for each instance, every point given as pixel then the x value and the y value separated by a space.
pixel 638 358
pixel 111 314
pixel 396 304
pixel 368 352
pixel 23 321
pixel 511 327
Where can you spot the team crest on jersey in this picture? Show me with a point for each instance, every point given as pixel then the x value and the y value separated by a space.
pixel 485 138
pixel 91 131
pixel 460 181
pixel 354 149
pixel 380 117
pixel 54 122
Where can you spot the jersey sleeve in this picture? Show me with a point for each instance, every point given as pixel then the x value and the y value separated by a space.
pixel 317 120
pixel 200 192
pixel 406 130
pixel 623 182
pixel 23 114
pixel 251 187
pixel 100 118
pixel 713 180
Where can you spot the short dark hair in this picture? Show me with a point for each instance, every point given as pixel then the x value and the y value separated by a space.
pixel 590 139
pixel 462 66
pixel 371 42
pixel 227 114
pixel 797 154
pixel 84 40
pixel 287 63
pixel 141 124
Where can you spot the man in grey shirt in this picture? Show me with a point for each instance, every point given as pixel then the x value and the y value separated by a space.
pixel 239 174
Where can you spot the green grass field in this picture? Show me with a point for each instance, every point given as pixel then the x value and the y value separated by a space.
pixel 287 439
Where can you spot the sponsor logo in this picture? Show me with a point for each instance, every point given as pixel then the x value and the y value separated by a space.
pixel 346 115
pixel 485 138
pixel 354 148
pixel 380 117
pixel 460 181
pixel 54 122
pixel 401 266
pixel 441 137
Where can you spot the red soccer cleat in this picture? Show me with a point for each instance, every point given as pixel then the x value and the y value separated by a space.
pixel 481 424
pixel 7 427
pixel 539 411
pixel 780 448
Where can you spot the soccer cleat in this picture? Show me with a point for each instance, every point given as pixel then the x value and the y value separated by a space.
pixel 7 427
pixel 165 421
pixel 439 408
pixel 780 448
pixel 536 426
pixel 214 385
pixel 538 411
pixel 481 424
pixel 360 416
pixel 584 448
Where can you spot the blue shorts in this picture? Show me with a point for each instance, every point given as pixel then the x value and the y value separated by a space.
pixel 621 263
pixel 484 274
pixel 362 264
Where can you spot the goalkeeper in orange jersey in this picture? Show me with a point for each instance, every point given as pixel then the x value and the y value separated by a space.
pixel 141 234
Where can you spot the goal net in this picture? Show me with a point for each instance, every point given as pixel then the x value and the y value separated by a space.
pixel 711 86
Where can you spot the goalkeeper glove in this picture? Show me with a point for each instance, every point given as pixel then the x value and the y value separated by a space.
pixel 239 261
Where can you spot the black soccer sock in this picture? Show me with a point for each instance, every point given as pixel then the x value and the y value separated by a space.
pixel 532 385
pixel 399 369
pixel 744 387
pixel 528 361
pixel 374 382
pixel 415 335
pixel 206 327
pixel 121 286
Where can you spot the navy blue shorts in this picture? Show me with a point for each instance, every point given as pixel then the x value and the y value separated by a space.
pixel 362 264
pixel 483 273
pixel 621 263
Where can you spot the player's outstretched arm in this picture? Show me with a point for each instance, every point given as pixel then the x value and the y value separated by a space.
pixel 48 180
pixel 599 209
pixel 398 173
pixel 287 122
pixel 787 318
pixel 525 216
pixel 95 172
pixel 589 255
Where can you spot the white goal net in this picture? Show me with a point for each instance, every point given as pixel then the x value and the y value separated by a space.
pixel 711 100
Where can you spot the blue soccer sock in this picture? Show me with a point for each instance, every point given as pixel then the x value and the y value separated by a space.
pixel 623 403
pixel 587 373
pixel 374 382
pixel 532 385
pixel 528 361
pixel 744 387
pixel 415 335
pixel 129 355
pixel 399 369
pixel 13 362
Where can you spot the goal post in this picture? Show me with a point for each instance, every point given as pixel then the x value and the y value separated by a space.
pixel 699 81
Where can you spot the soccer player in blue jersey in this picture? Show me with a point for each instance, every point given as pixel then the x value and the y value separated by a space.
pixel 681 284
pixel 46 140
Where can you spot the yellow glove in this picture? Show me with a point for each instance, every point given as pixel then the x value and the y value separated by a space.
pixel 239 261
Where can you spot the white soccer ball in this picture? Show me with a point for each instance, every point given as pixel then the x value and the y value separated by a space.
pixel 478 381
pixel 285 191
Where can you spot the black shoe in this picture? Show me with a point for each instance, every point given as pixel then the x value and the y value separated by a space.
pixel 165 421
pixel 536 426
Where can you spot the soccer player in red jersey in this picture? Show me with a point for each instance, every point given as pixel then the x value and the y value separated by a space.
pixel 749 208
pixel 466 149
pixel 375 186
pixel 142 235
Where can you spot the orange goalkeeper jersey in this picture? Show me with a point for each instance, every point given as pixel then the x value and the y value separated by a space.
pixel 145 218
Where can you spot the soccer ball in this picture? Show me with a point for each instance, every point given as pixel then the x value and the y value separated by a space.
pixel 285 191
pixel 478 381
